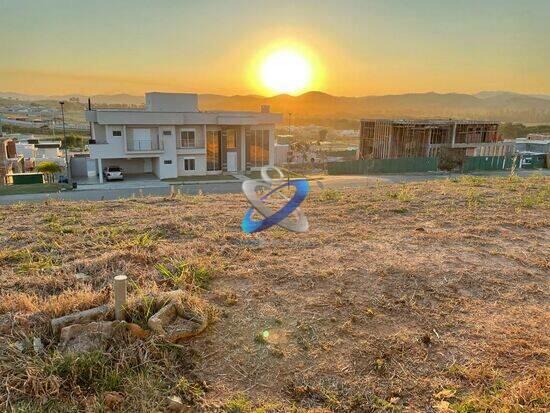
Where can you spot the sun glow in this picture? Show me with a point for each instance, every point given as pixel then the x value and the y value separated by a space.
pixel 286 71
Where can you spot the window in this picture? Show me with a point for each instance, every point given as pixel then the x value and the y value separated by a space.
pixel 117 133
pixel 187 139
pixel 231 139
pixel 213 153
pixel 189 164
pixel 258 148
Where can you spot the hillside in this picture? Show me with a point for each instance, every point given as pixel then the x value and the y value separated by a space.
pixel 399 298
pixel 500 106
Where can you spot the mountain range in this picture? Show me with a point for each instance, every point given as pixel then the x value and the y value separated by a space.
pixel 495 105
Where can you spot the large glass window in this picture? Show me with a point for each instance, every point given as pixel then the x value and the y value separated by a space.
pixel 231 139
pixel 213 158
pixel 187 139
pixel 258 148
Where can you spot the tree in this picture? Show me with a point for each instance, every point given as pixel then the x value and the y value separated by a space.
pixel 49 169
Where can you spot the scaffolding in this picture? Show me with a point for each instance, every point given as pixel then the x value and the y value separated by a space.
pixel 384 139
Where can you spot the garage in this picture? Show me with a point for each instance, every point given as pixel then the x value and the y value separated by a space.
pixel 135 166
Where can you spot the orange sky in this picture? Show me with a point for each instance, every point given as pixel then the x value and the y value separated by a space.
pixel 356 47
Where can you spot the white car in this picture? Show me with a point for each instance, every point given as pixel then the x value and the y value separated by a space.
pixel 112 173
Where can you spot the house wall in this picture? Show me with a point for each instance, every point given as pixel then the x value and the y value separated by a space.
pixel 167 164
pixel 200 165
pixel 172 102
pixel 99 133
pixel 79 166
pixel 156 167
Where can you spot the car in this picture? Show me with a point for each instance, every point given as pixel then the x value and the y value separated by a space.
pixel 111 173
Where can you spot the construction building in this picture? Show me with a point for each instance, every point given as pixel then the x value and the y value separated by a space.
pixel 383 138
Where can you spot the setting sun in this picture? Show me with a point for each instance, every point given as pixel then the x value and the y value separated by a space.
pixel 286 71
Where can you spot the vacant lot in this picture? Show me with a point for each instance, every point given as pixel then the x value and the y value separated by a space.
pixel 420 297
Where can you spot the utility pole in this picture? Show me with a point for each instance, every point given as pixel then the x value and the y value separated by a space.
pixel 90 108
pixel 289 118
pixel 289 143
pixel 68 167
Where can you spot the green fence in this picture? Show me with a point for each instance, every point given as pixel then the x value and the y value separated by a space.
pixel 534 161
pixel 488 163
pixel 397 165
pixel 403 165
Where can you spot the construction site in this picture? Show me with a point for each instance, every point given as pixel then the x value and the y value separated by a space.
pixel 385 139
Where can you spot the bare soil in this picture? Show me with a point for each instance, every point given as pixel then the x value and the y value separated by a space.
pixel 427 296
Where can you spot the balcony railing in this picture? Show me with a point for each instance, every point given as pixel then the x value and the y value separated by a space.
pixel 137 145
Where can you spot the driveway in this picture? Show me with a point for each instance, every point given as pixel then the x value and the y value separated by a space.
pixel 131 181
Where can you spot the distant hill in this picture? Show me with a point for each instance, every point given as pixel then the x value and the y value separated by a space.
pixel 494 105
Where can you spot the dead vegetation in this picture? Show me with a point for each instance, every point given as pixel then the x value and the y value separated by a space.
pixel 419 297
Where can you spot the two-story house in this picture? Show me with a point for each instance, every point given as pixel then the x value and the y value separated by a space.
pixel 171 138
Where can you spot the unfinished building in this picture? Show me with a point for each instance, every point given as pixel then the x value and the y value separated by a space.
pixel 383 138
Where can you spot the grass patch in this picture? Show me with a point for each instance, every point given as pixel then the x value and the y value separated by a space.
pixel 533 200
pixel 474 199
pixel 403 195
pixel 471 180
pixel 185 274
pixel 330 195
pixel 28 261
pixel 89 370
pixel 238 404
pixel 493 394
pixel 32 189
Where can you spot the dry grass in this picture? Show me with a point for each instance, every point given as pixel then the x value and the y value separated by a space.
pixel 418 297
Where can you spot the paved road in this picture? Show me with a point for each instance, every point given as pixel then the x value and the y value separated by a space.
pixel 333 182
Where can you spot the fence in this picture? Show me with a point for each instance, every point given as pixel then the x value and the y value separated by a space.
pixel 488 163
pixel 397 165
pixel 428 164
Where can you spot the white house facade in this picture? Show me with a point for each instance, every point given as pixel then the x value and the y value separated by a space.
pixel 171 138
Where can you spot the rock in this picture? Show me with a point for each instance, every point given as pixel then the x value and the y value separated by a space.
pixel 175 405
pixel 173 323
pixel 80 338
pixel 162 318
pixel 79 318
pixel 182 328
pixel 37 345
pixel 80 276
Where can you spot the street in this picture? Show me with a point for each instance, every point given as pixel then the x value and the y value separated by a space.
pixel 212 187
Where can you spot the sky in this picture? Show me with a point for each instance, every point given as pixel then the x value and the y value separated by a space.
pixel 355 47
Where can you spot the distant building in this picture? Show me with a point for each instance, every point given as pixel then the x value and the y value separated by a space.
pixel 538 137
pixel 172 138
pixel 10 162
pixel 281 154
pixel 533 145
pixel 35 151
pixel 382 138
pixel 49 152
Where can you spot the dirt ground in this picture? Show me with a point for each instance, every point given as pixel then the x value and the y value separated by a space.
pixel 428 296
